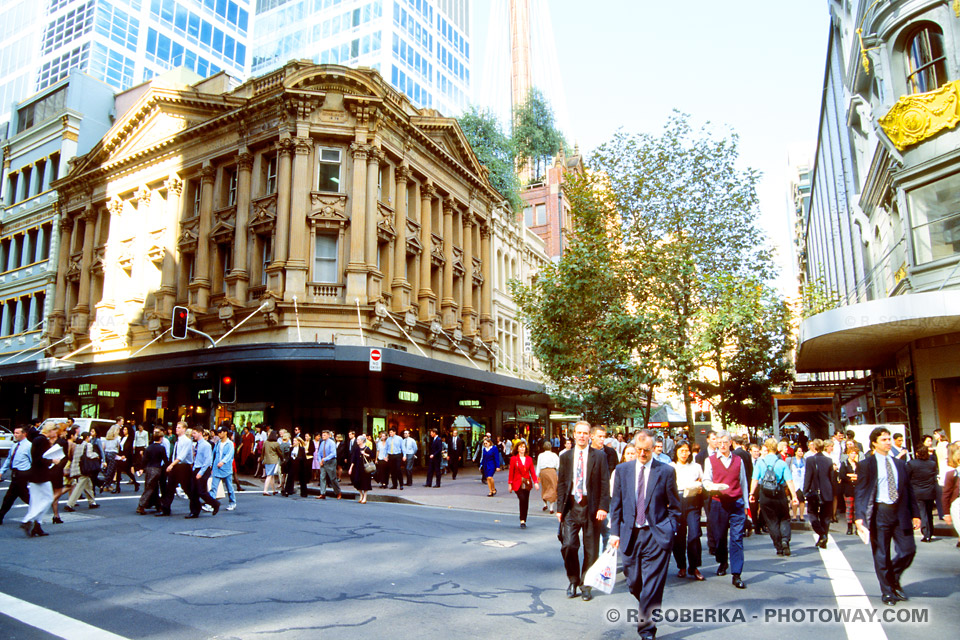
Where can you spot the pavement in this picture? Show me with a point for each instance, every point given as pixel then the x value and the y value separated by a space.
pixel 298 568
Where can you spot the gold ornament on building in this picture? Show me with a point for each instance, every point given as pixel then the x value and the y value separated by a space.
pixel 920 116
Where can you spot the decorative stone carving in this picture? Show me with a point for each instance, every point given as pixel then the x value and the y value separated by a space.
pixel 115 206
pixel 173 185
pixel 264 214
pixel 187 242
pixel 126 258
pixel 435 332
pixel 226 315
pixel 73 268
pixel 142 196
pixel 920 116
pixel 410 319
pixel 245 161
pixel 99 254
pixel 328 210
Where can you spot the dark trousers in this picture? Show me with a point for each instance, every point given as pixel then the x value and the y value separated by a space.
pixel 819 512
pixel 926 517
pixel 524 496
pixel 453 464
pixel 199 492
pixel 411 460
pixel 687 548
pixel 151 485
pixel 433 469
pixel 729 517
pixel 382 474
pixel 711 539
pixel 178 476
pixel 645 568
pixel 300 473
pixel 776 514
pixel 886 529
pixel 577 520
pixel 395 464
pixel 17 489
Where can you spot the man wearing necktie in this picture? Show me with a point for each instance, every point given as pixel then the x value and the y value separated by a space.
pixel 885 510
pixel 644 513
pixel 200 476
pixel 178 471
pixel 395 457
pixel 434 458
pixel 328 466
pixel 16 465
pixel 455 451
pixel 583 499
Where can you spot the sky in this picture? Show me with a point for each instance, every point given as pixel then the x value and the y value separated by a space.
pixel 755 66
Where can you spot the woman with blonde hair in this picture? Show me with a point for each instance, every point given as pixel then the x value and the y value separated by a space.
pixel 111 449
pixel 951 488
pixel 272 455
pixel 360 457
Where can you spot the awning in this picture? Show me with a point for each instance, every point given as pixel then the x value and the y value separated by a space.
pixel 868 334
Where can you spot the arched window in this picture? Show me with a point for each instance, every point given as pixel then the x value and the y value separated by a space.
pixel 926 62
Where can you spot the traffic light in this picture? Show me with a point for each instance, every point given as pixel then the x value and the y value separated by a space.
pixel 228 390
pixel 179 322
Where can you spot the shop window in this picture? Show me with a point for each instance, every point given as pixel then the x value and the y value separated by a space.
pixel 926 62
pixel 329 170
pixel 325 258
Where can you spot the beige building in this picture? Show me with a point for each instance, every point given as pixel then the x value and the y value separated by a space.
pixel 304 217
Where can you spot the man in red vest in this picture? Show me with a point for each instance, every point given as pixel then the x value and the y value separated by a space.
pixel 727 506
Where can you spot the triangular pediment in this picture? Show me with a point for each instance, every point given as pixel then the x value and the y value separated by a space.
pixel 446 134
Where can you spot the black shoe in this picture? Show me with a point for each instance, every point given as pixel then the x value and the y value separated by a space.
pixel 27 529
pixel 94 506
pixel 722 569
pixel 899 594
pixel 926 539
pixel 822 542
pixel 523 525
pixel 890 601
pixel 786 548
pixel 141 512
pixel 849 529
pixel 586 594
pixel 737 582
pixel 571 590
pixel 779 552
pixel 37 531
pixel 68 509
pixel 191 516
pixel 216 509
pixel 136 487
pixel 57 520
pixel 162 514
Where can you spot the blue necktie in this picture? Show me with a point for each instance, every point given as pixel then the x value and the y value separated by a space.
pixel 641 500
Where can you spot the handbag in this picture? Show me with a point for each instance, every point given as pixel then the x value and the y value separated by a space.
pixel 525 482
pixel 89 466
pixel 369 465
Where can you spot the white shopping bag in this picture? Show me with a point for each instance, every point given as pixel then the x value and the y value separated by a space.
pixel 603 574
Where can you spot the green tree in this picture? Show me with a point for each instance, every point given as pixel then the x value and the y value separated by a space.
pixel 587 328
pixel 535 135
pixel 494 149
pixel 746 339
pixel 690 210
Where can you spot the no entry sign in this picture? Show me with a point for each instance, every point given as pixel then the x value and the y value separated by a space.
pixel 376 360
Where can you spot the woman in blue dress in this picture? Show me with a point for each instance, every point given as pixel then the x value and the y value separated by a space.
pixel 489 463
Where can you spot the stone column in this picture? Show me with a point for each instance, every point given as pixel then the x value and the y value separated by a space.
pixel 371 248
pixel 400 286
pixel 357 263
pixel 32 314
pixel 47 171
pixel 428 299
pixel 5 319
pixel 448 305
pixel 239 276
pixel 82 309
pixel 467 312
pixel 201 271
pixel 282 231
pixel 168 271
pixel 487 334
pixel 38 249
pixel 13 259
pixel 58 315
pixel 296 267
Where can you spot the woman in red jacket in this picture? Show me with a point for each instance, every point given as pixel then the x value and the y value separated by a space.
pixel 522 478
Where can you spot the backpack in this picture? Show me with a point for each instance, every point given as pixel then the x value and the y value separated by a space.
pixel 768 483
pixel 89 466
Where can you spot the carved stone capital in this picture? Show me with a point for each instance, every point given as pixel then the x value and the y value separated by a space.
pixel 285 146
pixel 402 175
pixel 208 173
pixel 375 155
pixel 173 185
pixel 142 195
pixel 114 206
pixel 359 151
pixel 469 219
pixel 449 207
pixel 428 191
pixel 245 161
pixel 485 231
pixel 303 146
pixel 66 225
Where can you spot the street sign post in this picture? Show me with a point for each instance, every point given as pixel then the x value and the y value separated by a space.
pixel 376 360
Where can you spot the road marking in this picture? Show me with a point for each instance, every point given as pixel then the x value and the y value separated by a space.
pixel 51 621
pixel 849 592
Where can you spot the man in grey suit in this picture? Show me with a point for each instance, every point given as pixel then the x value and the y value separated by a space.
pixel 644 513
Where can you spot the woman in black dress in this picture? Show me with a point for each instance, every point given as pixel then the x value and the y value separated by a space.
pixel 848 481
pixel 360 456
pixel 298 470
pixel 923 477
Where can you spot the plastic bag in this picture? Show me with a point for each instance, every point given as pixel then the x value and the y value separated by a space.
pixel 602 574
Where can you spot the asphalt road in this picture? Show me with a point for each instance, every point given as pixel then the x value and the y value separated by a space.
pixel 300 568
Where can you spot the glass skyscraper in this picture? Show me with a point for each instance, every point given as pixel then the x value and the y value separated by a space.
pixel 421 47
pixel 121 42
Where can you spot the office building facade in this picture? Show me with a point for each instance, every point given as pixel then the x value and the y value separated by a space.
pixel 881 236
pixel 421 47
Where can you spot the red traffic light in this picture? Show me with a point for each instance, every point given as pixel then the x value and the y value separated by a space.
pixel 227 380
pixel 178 327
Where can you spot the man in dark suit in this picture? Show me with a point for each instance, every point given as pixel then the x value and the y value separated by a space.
pixel 434 455
pixel 644 512
pixel 885 509
pixel 583 499
pixel 818 490
pixel 454 453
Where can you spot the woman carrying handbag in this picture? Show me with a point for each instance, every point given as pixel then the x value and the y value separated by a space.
pixel 522 478
pixel 362 467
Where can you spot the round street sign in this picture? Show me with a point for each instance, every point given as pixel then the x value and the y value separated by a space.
pixel 376 359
